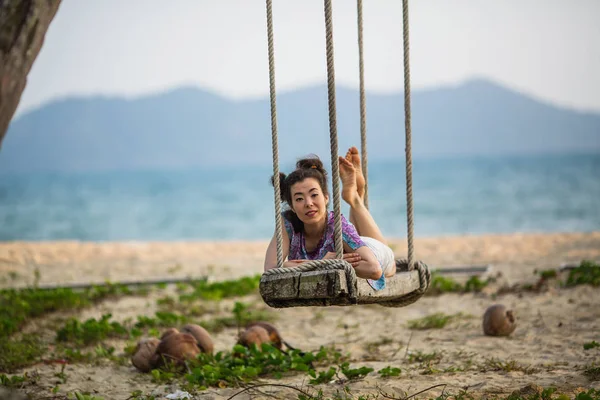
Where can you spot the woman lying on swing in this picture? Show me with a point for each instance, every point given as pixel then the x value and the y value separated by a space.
pixel 309 227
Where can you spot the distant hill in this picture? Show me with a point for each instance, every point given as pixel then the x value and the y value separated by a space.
pixel 190 127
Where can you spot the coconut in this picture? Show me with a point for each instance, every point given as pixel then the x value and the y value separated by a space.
pixel 143 357
pixel 498 321
pixel 274 336
pixel 168 332
pixel 203 339
pixel 254 335
pixel 176 347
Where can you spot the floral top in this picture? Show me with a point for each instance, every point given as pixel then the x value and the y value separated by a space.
pixel 326 244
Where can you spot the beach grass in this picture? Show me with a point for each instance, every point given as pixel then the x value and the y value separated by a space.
pixel 46 327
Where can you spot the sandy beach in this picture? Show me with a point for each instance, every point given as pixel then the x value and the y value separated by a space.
pixel 66 262
pixel 545 350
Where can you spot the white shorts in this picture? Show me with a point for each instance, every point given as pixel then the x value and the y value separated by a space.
pixel 383 253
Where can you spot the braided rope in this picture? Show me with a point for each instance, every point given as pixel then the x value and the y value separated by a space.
pixel 313 265
pixel 339 246
pixel 407 126
pixel 274 140
pixel 363 107
pixel 339 263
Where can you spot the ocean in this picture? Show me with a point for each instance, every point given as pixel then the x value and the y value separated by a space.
pixel 452 196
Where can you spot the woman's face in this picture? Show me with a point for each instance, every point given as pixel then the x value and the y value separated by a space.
pixel 308 201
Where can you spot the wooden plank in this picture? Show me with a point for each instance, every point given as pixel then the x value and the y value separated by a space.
pixel 323 284
pixel 331 287
pixel 572 266
pixel 87 285
pixel 280 287
pixel 327 286
pixel 397 286
pixel 467 269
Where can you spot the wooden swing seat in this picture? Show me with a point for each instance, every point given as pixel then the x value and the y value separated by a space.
pixel 339 286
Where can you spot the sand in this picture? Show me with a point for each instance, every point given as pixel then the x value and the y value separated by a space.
pixel 546 349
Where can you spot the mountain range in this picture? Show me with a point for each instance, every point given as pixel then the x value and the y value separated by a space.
pixel 190 127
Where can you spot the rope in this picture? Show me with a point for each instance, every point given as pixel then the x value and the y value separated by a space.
pixel 274 141
pixel 312 265
pixel 339 247
pixel 363 108
pixel 339 263
pixel 407 121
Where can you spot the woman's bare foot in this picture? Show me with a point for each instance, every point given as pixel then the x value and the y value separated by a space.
pixel 348 177
pixel 354 157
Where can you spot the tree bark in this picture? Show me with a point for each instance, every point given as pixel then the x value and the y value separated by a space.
pixel 23 27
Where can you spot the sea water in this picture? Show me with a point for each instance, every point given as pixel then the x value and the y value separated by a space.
pixel 452 196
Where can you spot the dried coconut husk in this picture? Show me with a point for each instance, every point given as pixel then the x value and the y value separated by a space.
pixel 176 348
pixel 274 336
pixel 256 335
pixel 498 321
pixel 168 332
pixel 143 356
pixel 203 339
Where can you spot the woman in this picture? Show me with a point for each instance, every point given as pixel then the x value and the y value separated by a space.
pixel 309 227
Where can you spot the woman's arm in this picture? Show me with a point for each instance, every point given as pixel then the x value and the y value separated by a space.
pixel 366 264
pixel 362 260
pixel 271 255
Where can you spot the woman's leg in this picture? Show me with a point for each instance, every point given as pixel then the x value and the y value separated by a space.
pixel 353 192
pixel 384 255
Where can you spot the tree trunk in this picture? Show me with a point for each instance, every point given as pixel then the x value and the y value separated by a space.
pixel 23 26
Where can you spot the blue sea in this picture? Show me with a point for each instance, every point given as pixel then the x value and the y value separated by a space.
pixel 452 196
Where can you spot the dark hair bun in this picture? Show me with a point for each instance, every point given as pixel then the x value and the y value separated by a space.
pixel 313 162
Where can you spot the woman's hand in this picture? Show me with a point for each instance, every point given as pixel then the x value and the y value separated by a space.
pixel 352 258
pixel 362 260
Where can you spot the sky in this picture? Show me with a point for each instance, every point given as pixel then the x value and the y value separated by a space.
pixel 549 49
